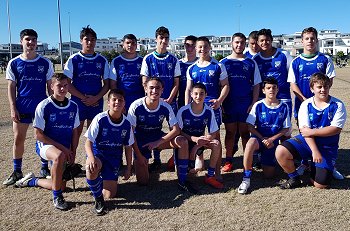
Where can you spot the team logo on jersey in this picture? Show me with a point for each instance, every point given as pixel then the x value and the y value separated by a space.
pixel 121 66
pixel 245 67
pixel 311 116
pixel 301 67
pixel 170 66
pixel 194 75
pixel 53 117
pixel 139 66
pixel 153 65
pixel 99 66
pixel 41 69
pixel 280 115
pixel 187 122
pixel 278 64
pixel 142 118
pixel 104 131
pixel 263 115
pixel 211 72
pixel 161 118
pixel 123 134
pixel 71 115
pixel 330 115
pixel 205 121
pixel 80 65
pixel 319 66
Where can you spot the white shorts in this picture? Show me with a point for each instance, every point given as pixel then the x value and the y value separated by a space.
pixel 42 148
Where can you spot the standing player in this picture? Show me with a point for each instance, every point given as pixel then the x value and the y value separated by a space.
pixel 165 66
pixel 321 119
pixel 108 133
pixel 213 75
pixel 268 121
pixel 125 71
pixel 28 75
pixel 87 70
pixel 55 125
pixel 147 115
pixel 193 119
pixel 302 67
pixel 253 47
pixel 244 79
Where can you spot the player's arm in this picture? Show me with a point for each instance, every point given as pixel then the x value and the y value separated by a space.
pixel 316 154
pixel 73 91
pixel 144 79
pixel 297 92
pixel 91 164
pixel 321 132
pixel 92 100
pixel 174 91
pixel 75 143
pixel 254 131
pixel 11 93
pixel 256 90
pixel 188 91
pixel 174 131
pixel 48 87
pixel 225 88
pixel 268 142
pixel 128 157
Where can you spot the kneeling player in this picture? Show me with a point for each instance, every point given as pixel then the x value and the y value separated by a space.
pixel 55 126
pixel 268 121
pixel 146 115
pixel 193 118
pixel 321 119
pixel 108 133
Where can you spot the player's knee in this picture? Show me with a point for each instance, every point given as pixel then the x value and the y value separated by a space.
pixel 59 158
pixel 181 141
pixel 319 186
pixel 282 153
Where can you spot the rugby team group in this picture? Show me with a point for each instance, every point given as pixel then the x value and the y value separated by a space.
pixel 248 91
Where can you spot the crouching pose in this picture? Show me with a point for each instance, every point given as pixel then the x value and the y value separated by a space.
pixel 321 119
pixel 55 126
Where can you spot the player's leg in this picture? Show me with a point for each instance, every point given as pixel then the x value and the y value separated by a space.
pixel 244 133
pixel 231 129
pixel 215 147
pixel 19 132
pixel 268 160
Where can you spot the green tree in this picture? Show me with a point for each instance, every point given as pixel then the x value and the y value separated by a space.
pixel 107 55
pixel 218 57
pixel 142 52
pixel 340 54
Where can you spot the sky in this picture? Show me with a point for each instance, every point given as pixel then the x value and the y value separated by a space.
pixel 114 18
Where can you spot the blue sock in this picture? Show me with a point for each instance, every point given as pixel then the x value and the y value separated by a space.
pixel 96 186
pixel 156 154
pixel 247 173
pixel 229 159
pixel 33 182
pixel 293 174
pixel 44 163
pixel 182 170
pixel 211 171
pixel 17 165
pixel 56 193
pixel 191 164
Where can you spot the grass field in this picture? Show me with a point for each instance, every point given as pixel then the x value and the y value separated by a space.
pixel 160 206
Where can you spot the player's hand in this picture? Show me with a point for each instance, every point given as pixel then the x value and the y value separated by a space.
pixel 307 132
pixel 91 164
pixel 127 173
pixel 168 100
pixel 15 115
pixel 215 104
pixel 268 142
pixel 152 145
pixel 202 141
pixel 90 100
pixel 249 108
pixel 316 157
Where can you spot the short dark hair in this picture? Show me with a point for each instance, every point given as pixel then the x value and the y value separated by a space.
pixel 28 32
pixel 321 78
pixel 156 79
pixel 240 35
pixel 309 30
pixel 270 80
pixel 87 31
pixel 129 36
pixel 59 77
pixel 266 32
pixel 253 35
pixel 191 38
pixel 203 39
pixel 162 31
pixel 116 92
pixel 200 86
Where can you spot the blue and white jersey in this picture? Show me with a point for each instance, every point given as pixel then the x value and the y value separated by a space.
pixel 248 54
pixel 243 75
pixel 166 68
pixel 148 122
pixel 210 75
pixel 183 81
pixel 269 120
pixel 302 68
pixel 57 122
pixel 194 124
pixel 30 76
pixel 334 114
pixel 127 74
pixel 87 73
pixel 109 138
pixel 277 67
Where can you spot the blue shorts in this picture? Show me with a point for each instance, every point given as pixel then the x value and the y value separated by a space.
pixel 267 154
pixel 235 112
pixel 218 114
pixel 88 112
pixel 174 106
pixel 110 167
pixel 329 154
pixel 143 139
pixel 26 108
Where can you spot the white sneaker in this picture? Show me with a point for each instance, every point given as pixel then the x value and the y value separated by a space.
pixel 244 186
pixel 301 169
pixel 337 175
pixel 24 181
pixel 199 164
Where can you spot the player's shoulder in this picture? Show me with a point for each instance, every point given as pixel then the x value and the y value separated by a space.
pixel 45 102
pixel 137 103
pixel 149 56
pixel 337 101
